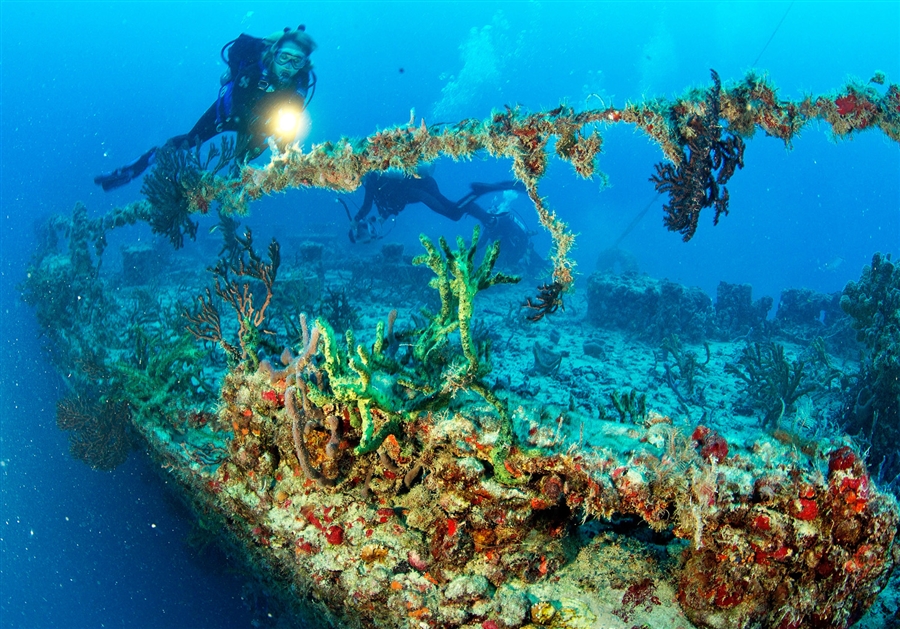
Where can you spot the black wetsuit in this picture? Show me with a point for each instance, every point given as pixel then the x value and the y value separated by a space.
pixel 244 105
pixel 391 193
pixel 247 100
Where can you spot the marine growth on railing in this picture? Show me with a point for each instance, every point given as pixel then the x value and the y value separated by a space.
pixel 701 135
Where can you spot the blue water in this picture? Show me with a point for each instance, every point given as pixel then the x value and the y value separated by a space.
pixel 87 87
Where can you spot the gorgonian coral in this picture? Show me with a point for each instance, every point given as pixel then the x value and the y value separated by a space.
pixel 873 405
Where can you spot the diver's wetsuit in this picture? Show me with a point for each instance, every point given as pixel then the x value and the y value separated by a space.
pixel 244 105
pixel 391 193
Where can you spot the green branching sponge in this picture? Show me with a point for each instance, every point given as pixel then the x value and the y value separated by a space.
pixel 458 280
pixel 352 382
pixel 385 393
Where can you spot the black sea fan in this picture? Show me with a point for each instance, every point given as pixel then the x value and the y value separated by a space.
pixel 707 164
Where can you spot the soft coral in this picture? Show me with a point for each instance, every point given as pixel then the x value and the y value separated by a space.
pixel 846 104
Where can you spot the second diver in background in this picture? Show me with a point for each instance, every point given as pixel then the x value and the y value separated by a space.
pixel 390 193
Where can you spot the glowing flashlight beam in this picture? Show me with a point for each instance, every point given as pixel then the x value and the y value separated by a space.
pixel 288 122
pixel 291 124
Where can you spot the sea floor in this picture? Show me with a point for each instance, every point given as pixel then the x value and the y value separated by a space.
pixel 397 540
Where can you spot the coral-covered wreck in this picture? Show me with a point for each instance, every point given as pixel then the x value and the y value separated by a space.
pixel 385 476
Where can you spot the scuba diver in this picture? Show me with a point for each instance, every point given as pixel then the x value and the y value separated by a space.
pixel 391 192
pixel 266 78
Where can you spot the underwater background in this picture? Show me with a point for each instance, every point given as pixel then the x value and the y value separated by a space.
pixel 87 87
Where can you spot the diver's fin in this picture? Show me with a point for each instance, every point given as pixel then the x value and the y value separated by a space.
pixel 121 176
pixel 480 189
pixel 116 179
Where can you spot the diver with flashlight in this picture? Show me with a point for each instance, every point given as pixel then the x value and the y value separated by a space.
pixel 263 94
